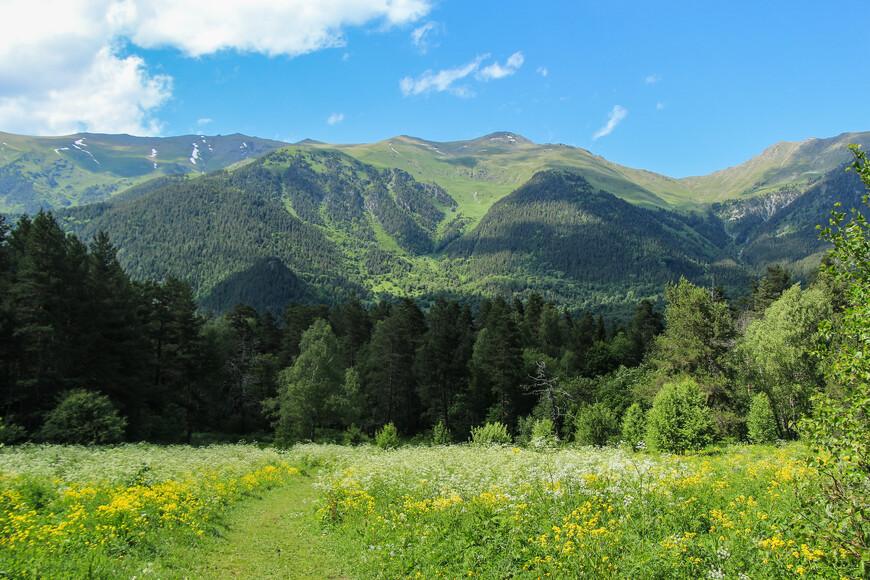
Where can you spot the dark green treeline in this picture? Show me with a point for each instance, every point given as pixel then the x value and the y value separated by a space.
pixel 71 319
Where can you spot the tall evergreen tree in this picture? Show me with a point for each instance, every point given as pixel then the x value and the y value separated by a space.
pixel 392 386
pixel 44 294
pixel 441 363
pixel 497 366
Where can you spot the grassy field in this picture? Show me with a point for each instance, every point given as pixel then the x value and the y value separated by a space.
pixel 417 512
pixel 74 512
pixel 460 512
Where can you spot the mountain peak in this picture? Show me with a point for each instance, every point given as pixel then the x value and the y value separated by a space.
pixel 506 137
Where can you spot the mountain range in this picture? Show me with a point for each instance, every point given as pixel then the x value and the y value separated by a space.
pixel 265 223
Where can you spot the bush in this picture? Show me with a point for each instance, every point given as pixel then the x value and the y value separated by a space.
pixel 10 432
pixel 596 425
pixel 490 434
pixel 544 434
pixel 679 419
pixel 761 421
pixel 440 434
pixel 84 418
pixel 354 436
pixel 387 437
pixel 634 425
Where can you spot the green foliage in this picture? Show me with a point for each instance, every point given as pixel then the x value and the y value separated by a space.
pixel 699 332
pixel 543 434
pixel 679 420
pixel 490 434
pixel 83 418
pixel 309 392
pixel 441 435
pixel 761 422
pixel 355 436
pixel 776 353
pixel 634 425
pixel 839 431
pixel 597 424
pixel 387 437
pixel 10 432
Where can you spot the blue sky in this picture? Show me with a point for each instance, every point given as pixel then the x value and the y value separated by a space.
pixel 679 88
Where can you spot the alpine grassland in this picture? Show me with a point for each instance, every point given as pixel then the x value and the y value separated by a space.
pixel 495 511
pixel 121 512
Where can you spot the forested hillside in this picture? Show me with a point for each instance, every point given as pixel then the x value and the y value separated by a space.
pixel 311 225
pixel 559 235
pixel 80 338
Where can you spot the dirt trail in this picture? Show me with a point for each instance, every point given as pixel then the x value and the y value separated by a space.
pixel 274 537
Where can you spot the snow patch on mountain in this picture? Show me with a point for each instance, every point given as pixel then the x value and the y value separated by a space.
pixel 194 155
pixel 81 146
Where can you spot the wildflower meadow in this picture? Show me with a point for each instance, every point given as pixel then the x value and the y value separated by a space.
pixel 78 512
pixel 450 511
pixel 509 512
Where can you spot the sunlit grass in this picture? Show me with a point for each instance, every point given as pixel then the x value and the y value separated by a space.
pixel 574 513
pixel 69 512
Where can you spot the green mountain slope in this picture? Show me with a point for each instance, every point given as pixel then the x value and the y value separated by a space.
pixel 308 224
pixel 466 219
pixel 55 172
pixel 558 235
pixel 479 172
pixel 785 164
pixel 781 226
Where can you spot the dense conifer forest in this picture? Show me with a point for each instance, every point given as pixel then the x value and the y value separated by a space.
pixel 75 327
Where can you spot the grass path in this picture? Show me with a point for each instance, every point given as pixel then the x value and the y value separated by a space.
pixel 273 537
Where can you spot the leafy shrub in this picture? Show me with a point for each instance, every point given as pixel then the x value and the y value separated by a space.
pixel 355 436
pixel 839 430
pixel 634 425
pixel 387 437
pixel 543 434
pixel 596 425
pixel 679 419
pixel 84 418
pixel 440 434
pixel 10 432
pixel 490 434
pixel 761 421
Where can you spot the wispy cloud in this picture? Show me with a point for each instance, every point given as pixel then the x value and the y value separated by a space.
pixel 422 36
pixel 335 118
pixel 652 79
pixel 204 121
pixel 542 70
pixel 447 79
pixel 617 114
pixel 497 71
pixel 441 81
pixel 660 106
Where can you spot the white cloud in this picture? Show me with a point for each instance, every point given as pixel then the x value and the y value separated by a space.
pixel 652 79
pixel 335 118
pixel 203 122
pixel 421 36
pixel 289 27
pixel 56 55
pixel 497 71
pixel 445 80
pixel 441 80
pixel 113 95
pixel 617 114
pixel 542 70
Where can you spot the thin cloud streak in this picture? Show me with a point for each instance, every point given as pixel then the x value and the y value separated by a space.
pixel 445 80
pixel 616 116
